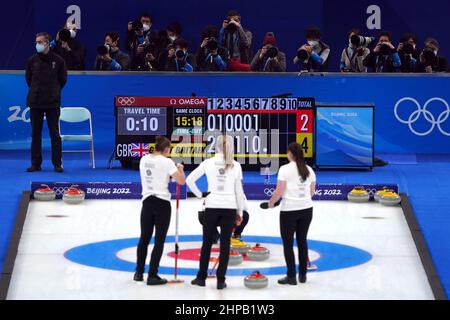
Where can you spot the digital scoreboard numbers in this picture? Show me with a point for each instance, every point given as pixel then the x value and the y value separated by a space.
pixel 140 119
pixel 261 127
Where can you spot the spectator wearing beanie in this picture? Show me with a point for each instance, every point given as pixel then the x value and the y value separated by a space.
pixel 269 58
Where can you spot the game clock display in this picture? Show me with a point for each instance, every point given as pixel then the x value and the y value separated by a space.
pixel 262 128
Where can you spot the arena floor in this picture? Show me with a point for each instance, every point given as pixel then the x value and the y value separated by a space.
pixel 87 251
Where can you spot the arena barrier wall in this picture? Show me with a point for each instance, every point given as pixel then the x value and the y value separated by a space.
pixel 411 111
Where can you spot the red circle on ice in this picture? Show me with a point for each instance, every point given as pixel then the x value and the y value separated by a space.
pixel 194 254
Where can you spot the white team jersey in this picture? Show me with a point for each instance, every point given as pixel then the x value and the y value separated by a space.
pixel 225 187
pixel 297 195
pixel 155 176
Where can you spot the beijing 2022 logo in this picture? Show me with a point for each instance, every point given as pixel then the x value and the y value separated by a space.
pixel 432 119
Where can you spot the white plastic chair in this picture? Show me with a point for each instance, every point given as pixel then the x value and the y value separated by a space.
pixel 76 115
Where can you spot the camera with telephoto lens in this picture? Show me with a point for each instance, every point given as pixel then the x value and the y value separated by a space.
pixel 103 49
pixel 231 27
pixel 212 44
pixel 303 55
pixel 428 57
pixel 180 54
pixel 360 41
pixel 385 50
pixel 271 52
pixel 137 26
pixel 408 48
pixel 64 35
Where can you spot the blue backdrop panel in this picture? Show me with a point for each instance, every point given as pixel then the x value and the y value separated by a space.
pixel 344 136
pixel 411 130
pixel 288 19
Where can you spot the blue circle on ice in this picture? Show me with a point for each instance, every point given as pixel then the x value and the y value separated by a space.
pixel 333 256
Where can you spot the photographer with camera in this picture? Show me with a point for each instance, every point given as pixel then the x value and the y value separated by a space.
pixel 138 30
pixel 109 57
pixel 408 53
pixel 429 60
pixel 178 58
pixel 69 48
pixel 269 58
pixel 313 57
pixel 136 44
pixel 210 55
pixel 237 40
pixel 166 38
pixel 353 56
pixel 384 58
pixel 149 61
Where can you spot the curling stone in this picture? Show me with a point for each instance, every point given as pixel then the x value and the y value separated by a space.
pixel 235 258
pixel 390 198
pixel 358 195
pixel 256 281
pixel 45 193
pixel 258 253
pixel 73 195
pixel 239 246
pixel 378 194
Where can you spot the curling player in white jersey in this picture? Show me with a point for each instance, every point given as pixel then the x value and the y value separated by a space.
pixel 296 186
pixel 223 205
pixel 156 169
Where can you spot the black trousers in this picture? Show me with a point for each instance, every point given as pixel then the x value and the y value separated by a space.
pixel 37 120
pixel 155 215
pixel 237 229
pixel 225 219
pixel 295 222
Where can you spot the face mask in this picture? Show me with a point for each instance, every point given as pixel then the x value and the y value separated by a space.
pixel 146 27
pixel 173 38
pixel 313 43
pixel 73 33
pixel 40 47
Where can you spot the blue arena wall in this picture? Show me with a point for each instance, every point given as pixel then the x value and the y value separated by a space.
pixel 22 19
pixel 422 123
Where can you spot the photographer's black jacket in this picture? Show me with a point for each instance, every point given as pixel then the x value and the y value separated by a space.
pixel 440 65
pixel 262 65
pixel 75 58
pixel 206 65
pixel 46 75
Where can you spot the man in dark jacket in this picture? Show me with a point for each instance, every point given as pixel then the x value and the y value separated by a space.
pixel 110 57
pixel 238 42
pixel 46 75
pixel 313 56
pixel 211 56
pixel 429 60
pixel 269 58
pixel 69 48
pixel 178 58
pixel 384 58
pixel 408 52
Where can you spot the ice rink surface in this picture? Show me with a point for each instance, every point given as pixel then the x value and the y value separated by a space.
pixel 87 251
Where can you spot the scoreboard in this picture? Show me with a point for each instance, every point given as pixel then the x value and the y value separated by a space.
pixel 262 128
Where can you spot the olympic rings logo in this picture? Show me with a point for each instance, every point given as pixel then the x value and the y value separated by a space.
pixel 269 191
pixel 60 190
pixel 126 101
pixel 414 116
pixel 371 192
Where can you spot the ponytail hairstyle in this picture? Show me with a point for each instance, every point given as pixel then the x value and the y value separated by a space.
pixel 225 146
pixel 297 153
pixel 161 144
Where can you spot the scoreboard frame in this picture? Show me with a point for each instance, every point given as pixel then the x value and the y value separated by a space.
pixel 264 113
